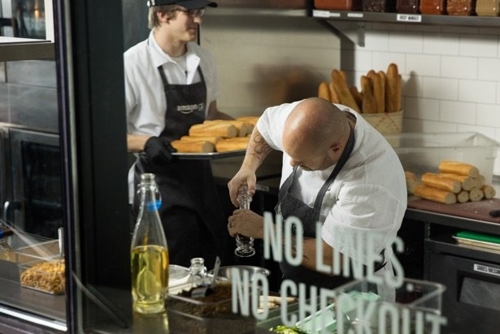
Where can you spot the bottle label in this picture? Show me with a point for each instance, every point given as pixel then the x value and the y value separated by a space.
pixel 153 206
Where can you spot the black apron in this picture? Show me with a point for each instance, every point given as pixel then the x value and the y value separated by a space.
pixel 191 213
pixel 289 204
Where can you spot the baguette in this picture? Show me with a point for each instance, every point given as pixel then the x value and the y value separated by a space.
pixel 369 104
pixel 476 195
pixel 232 144
pixel 456 167
pixel 244 128
pixel 489 191
pixel 324 91
pixel 467 182
pixel 220 129
pixel 392 89
pixel 435 195
pixel 383 79
pixel 342 89
pixel 193 146
pixel 212 139
pixel 378 83
pixel 333 93
pixel 463 196
pixel 444 183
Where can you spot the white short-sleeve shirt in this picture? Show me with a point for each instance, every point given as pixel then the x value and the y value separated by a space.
pixel 145 97
pixel 367 198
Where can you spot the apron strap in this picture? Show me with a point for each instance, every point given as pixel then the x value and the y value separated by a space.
pixel 338 167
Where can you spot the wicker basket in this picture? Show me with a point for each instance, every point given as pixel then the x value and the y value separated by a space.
pixel 388 123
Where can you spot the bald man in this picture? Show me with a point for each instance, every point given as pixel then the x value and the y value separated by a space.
pixel 337 170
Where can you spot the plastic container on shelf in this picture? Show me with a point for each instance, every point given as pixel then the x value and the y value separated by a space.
pixel 433 7
pixel 380 6
pixel 461 7
pixel 422 152
pixel 41 267
pixel 412 297
pixel 407 6
pixel 45 275
pixel 339 5
pixel 488 7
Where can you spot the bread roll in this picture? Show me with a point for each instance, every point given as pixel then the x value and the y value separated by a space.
pixel 324 91
pixel 193 146
pixel 219 129
pixel 489 191
pixel 342 89
pixel 456 167
pixel 232 144
pixel 444 183
pixel 467 182
pixel 434 194
pixel 392 89
pixel 463 196
pixel 369 103
pixel 411 182
pixel 211 139
pixel 479 181
pixel 476 195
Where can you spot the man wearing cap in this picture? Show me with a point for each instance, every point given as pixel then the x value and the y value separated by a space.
pixel 171 84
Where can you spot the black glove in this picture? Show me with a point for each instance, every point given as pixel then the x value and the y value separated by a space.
pixel 158 151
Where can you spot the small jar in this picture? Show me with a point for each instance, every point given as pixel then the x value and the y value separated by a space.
pixel 197 272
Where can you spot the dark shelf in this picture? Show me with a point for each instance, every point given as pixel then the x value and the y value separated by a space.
pixel 23 50
pixel 442 20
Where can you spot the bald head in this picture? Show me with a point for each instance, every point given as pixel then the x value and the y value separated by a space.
pixel 313 127
pixel 315 120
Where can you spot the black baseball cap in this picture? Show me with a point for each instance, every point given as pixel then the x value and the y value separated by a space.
pixel 188 4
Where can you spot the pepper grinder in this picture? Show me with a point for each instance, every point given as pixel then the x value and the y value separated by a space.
pixel 244 245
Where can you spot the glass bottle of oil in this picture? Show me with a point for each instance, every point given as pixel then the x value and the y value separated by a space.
pixel 149 252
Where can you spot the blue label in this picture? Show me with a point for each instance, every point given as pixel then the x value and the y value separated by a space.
pixel 152 207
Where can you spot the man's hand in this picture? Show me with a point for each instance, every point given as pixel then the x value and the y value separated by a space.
pixel 247 223
pixel 158 151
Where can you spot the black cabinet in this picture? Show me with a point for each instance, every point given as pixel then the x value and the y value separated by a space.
pixel 470 274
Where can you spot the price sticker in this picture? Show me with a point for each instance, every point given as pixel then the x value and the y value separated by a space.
pixel 355 15
pixel 408 18
pixel 321 13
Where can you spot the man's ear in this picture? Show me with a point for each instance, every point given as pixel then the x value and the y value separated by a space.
pixel 162 17
pixel 336 147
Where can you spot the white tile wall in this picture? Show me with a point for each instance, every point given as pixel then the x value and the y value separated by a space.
pixel 266 61
pixel 451 75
